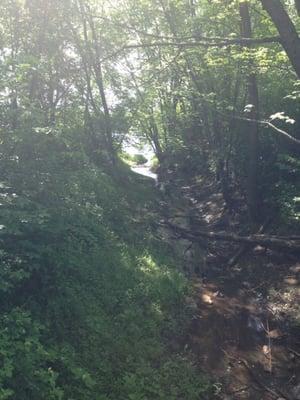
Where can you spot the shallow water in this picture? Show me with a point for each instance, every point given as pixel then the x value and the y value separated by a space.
pixel 145 171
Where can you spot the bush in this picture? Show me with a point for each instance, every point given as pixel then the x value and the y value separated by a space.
pixel 135 159
pixel 154 164
pixel 139 159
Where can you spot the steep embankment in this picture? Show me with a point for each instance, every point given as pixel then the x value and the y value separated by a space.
pixel 90 298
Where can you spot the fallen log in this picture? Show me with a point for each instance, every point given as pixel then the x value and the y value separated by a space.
pixel 269 241
pixel 246 247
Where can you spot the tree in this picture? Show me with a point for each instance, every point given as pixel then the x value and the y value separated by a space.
pixel 253 113
pixel 290 39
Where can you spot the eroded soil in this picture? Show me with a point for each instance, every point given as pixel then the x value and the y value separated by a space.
pixel 245 330
pixel 246 338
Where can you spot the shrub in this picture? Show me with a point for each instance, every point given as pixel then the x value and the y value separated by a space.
pixel 139 159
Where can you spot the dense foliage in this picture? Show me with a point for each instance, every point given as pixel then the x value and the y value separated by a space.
pixel 89 297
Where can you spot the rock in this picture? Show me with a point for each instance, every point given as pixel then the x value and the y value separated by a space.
pixel 291 280
pixel 206 298
pixel 259 249
pixel 265 349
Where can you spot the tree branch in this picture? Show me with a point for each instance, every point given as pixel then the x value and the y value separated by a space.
pixel 199 39
pixel 272 126
pixel 204 42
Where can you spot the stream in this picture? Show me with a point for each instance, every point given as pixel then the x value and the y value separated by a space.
pixel 134 148
pixel 144 170
pixel 238 333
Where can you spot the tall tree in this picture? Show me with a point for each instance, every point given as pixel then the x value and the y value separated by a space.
pixel 290 39
pixel 253 113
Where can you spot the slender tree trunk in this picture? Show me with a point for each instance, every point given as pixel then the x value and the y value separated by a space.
pixel 192 8
pixel 253 133
pixel 99 81
pixel 297 5
pixel 289 37
pixel 149 126
pixel 93 53
pixel 155 139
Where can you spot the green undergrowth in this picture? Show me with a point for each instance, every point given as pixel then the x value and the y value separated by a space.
pixel 133 159
pixel 89 298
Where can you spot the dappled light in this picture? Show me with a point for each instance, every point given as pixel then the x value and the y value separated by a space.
pixel 150 200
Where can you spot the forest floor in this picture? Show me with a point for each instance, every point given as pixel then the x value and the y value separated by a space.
pixel 245 329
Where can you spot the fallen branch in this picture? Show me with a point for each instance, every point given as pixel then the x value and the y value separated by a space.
pixel 246 247
pixel 268 241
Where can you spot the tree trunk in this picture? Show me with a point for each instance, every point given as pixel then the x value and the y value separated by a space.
pixel 99 81
pixel 297 5
pixel 287 30
pixel 154 134
pixel 253 133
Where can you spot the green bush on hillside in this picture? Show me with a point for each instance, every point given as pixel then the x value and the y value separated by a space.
pixel 139 159
pixel 88 296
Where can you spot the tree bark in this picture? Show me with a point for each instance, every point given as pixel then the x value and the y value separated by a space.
pixel 289 37
pixel 253 133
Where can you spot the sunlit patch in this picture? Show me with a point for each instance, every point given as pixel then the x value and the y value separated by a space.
pixel 148 265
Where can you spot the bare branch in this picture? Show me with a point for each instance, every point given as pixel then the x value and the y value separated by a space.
pixel 198 39
pixel 210 42
pixel 207 42
pixel 274 127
